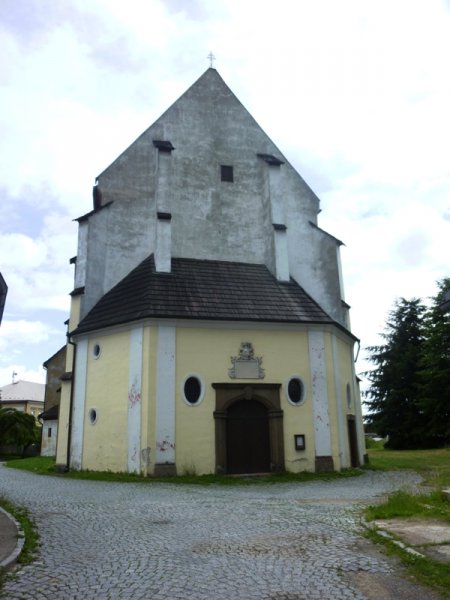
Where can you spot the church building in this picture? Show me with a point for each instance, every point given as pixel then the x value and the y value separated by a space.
pixel 208 330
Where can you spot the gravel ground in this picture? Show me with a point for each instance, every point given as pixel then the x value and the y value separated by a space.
pixel 293 541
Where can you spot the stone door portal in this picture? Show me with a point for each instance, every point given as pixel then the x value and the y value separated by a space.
pixel 249 428
pixel 248 445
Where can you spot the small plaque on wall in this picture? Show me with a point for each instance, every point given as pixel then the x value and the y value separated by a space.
pixel 246 365
pixel 299 441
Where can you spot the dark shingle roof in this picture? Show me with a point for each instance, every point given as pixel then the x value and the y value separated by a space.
pixel 50 414
pixel 203 289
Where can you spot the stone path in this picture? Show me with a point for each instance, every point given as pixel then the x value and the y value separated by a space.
pixel 169 542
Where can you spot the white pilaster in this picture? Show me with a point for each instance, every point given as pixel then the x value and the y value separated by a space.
pixel 165 395
pixel 340 409
pixel 358 413
pixel 163 262
pixel 79 400
pixel 281 255
pixel 322 434
pixel 135 400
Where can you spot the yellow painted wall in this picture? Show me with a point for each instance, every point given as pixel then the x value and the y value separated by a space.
pixel 105 442
pixel 207 353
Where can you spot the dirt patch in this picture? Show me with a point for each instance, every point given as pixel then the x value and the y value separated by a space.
pixel 377 586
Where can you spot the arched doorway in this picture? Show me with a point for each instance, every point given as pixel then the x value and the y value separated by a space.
pixel 248 442
pixel 248 428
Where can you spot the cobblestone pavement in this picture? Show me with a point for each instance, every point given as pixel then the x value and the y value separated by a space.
pixel 164 541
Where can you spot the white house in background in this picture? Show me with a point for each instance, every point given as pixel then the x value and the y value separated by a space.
pixel 26 396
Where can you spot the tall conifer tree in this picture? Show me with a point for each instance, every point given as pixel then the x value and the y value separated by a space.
pixel 393 396
pixel 435 373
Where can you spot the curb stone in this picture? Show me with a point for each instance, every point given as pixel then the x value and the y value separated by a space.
pixel 14 554
pixel 392 539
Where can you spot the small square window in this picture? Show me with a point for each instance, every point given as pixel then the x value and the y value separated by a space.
pixel 299 441
pixel 226 173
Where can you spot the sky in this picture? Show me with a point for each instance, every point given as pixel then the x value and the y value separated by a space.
pixel 355 94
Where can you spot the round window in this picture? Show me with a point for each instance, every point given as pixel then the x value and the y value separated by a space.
pixel 96 350
pixel 295 391
pixel 93 416
pixel 192 389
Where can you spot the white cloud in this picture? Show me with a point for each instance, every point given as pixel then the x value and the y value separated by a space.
pixel 356 95
pixel 18 249
pixel 23 373
pixel 24 346
pixel 22 334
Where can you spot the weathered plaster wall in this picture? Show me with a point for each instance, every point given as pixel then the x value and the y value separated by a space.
pixel 55 367
pixel 313 264
pixel 48 444
pixel 211 219
pixel 80 265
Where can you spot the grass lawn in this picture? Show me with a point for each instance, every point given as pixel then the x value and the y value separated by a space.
pixel 45 466
pixel 433 465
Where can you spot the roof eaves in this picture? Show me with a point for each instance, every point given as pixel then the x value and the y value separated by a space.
pixel 339 242
pixel 93 212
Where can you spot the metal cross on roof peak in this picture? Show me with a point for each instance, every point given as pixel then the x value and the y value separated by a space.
pixel 212 58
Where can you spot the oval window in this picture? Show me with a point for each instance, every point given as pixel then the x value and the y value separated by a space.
pixel 192 389
pixel 96 350
pixel 295 390
pixel 92 416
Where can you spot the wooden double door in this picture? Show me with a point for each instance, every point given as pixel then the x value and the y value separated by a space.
pixel 248 442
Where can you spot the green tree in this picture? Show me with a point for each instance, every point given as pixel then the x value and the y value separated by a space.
pixel 17 428
pixel 393 396
pixel 435 373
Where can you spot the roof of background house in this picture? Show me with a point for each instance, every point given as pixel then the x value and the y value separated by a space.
pixel 203 289
pixel 23 390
